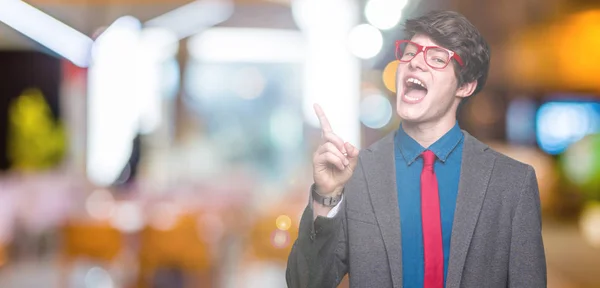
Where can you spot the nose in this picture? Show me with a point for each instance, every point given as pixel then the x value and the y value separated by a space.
pixel 418 62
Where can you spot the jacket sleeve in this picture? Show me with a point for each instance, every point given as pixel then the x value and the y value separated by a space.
pixel 319 257
pixel 527 265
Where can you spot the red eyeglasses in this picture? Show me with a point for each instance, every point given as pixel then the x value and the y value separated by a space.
pixel 436 57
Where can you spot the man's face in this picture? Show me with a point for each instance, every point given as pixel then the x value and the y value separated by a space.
pixel 425 94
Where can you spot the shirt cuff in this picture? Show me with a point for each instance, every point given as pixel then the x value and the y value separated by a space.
pixel 335 209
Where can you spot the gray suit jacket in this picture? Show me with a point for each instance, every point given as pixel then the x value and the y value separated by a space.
pixel 496 238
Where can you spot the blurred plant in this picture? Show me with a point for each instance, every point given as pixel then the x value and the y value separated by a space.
pixel 581 165
pixel 35 140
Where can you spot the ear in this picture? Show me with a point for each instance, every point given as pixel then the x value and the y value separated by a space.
pixel 466 89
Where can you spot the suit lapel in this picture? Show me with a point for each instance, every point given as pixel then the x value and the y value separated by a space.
pixel 380 173
pixel 476 169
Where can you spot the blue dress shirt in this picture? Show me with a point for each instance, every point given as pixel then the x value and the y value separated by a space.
pixel 409 164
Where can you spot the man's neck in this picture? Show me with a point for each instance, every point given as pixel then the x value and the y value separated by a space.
pixel 427 133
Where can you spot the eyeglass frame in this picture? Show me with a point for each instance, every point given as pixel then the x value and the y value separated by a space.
pixel 424 49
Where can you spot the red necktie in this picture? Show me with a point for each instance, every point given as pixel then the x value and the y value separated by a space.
pixel 432 226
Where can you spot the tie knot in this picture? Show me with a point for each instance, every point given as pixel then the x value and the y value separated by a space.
pixel 428 158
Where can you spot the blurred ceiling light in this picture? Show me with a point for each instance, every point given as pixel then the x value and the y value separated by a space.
pixel 156 47
pixel 46 30
pixel 158 43
pixel 125 30
pixel 113 106
pixel 125 92
pixel 249 45
pixel 331 74
pixel 194 17
pixel 365 41
pixel 384 14
pixel 375 111
pixel 324 16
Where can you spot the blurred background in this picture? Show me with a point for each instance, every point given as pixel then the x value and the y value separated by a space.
pixel 168 143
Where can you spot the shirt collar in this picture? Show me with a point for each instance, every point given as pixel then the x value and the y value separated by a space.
pixel 411 149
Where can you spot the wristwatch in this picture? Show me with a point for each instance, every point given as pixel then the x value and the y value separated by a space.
pixel 325 201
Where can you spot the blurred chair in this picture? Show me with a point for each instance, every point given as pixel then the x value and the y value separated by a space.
pixel 272 236
pixel 270 243
pixel 266 246
pixel 178 250
pixel 95 241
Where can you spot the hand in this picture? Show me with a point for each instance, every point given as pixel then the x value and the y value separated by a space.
pixel 334 161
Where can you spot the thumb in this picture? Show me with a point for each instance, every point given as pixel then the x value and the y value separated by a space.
pixel 352 154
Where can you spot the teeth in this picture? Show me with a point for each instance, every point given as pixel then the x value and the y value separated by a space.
pixel 416 81
pixel 411 98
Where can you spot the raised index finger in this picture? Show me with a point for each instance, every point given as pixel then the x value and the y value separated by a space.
pixel 322 119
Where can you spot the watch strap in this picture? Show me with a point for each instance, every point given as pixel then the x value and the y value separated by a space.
pixel 324 200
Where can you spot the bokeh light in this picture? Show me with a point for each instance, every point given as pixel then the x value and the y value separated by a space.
pixel 365 41
pixel 164 216
pixel 578 69
pixel 577 161
pixel 581 165
pixel 589 223
pixel 98 278
pixel 389 75
pixel 283 222
pixel 384 14
pixel 100 204
pixel 375 111
pixel 562 123
pixel 280 239
pixel 128 217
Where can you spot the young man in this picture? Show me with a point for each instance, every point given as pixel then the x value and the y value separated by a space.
pixel 428 205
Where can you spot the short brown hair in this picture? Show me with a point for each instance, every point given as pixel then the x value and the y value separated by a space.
pixel 453 31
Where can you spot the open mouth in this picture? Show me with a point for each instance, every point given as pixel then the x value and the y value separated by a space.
pixel 414 90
